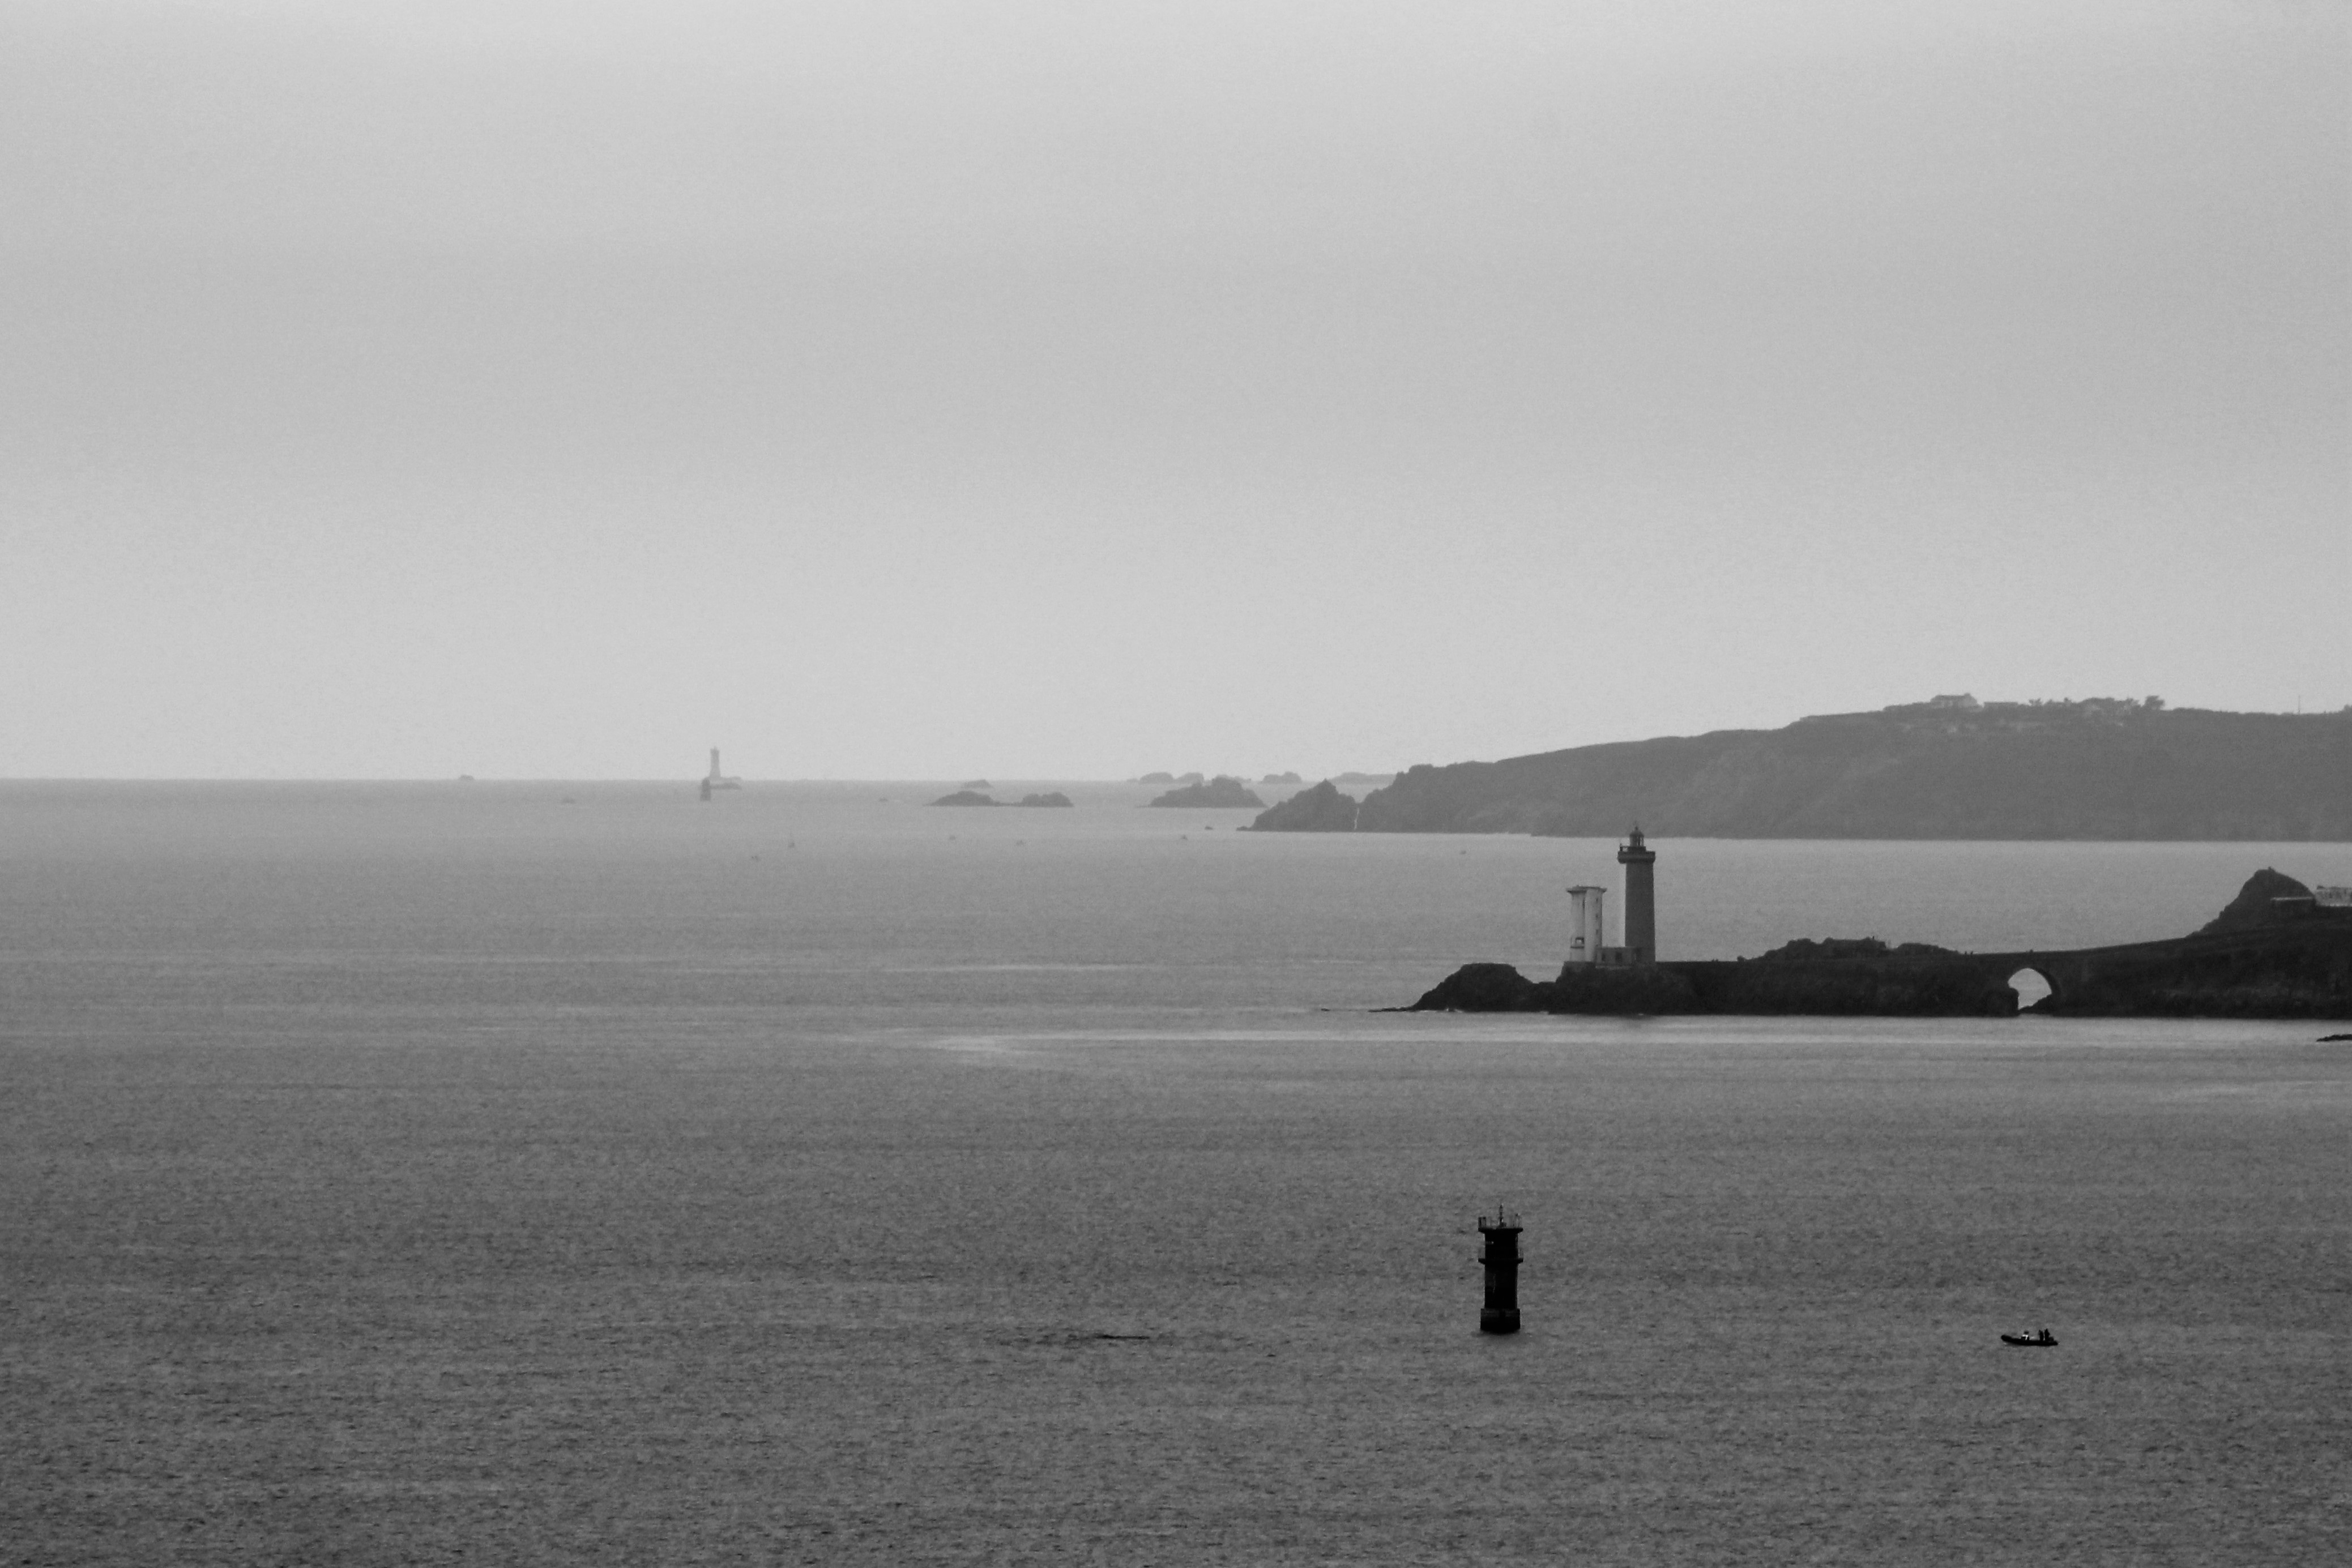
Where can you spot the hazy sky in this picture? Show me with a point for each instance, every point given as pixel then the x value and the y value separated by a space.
pixel 1029 389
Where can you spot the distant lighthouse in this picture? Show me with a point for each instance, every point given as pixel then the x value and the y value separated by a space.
pixel 715 779
pixel 1641 911
pixel 1501 1314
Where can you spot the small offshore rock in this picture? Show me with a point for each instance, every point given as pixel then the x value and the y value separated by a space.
pixel 1223 791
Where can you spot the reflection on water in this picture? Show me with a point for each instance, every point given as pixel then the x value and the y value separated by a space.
pixel 399 1176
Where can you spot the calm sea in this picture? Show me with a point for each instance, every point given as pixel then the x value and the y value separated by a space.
pixel 542 1173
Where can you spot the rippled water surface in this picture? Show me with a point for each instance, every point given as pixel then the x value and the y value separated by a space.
pixel 411 1173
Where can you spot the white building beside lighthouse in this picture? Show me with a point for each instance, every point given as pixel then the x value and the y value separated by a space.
pixel 1585 925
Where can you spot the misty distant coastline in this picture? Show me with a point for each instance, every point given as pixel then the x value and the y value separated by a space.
pixel 1951 768
pixel 980 798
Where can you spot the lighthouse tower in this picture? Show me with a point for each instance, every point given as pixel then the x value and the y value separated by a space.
pixel 1641 911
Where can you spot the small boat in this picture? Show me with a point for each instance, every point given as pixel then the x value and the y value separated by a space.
pixel 2038 1337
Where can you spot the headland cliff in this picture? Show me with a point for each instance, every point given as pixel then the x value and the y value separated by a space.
pixel 1949 768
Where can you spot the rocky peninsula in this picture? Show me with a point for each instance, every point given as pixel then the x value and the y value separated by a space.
pixel 2275 952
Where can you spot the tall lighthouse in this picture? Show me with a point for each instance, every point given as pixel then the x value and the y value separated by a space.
pixel 1641 911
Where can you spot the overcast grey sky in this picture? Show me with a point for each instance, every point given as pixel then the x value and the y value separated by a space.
pixel 1028 389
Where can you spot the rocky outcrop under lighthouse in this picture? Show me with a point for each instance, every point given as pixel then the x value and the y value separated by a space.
pixel 2274 953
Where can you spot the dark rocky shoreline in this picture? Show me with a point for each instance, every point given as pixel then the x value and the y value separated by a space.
pixel 2273 953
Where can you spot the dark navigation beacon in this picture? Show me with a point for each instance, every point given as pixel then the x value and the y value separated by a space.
pixel 1502 1260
